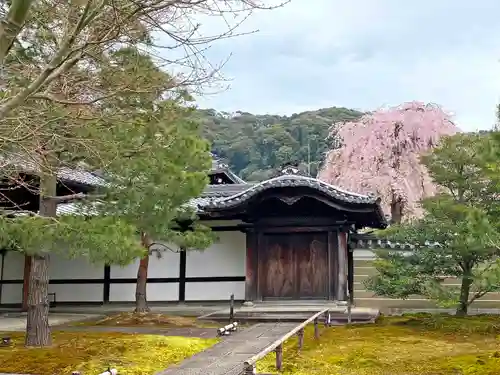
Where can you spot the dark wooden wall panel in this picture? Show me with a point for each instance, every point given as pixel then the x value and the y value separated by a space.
pixel 332 262
pixel 251 273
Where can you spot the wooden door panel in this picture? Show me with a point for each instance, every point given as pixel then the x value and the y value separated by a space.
pixel 312 259
pixel 277 267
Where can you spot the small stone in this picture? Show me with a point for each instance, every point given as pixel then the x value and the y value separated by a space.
pixel 248 304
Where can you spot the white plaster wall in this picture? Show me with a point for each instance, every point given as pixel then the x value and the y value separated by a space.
pixel 162 291
pixel 78 268
pixel 59 268
pixel 206 291
pixel 77 292
pixel 226 257
pixel 154 292
pixel 13 269
pixel 12 293
pixel 13 266
pixel 165 266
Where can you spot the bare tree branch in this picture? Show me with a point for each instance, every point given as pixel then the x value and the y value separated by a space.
pixel 90 30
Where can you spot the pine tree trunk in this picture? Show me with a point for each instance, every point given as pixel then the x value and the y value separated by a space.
pixel 37 326
pixel 26 282
pixel 463 303
pixel 141 302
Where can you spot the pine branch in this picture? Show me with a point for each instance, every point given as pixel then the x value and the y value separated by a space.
pixel 75 197
pixel 51 97
pixel 163 248
pixel 14 213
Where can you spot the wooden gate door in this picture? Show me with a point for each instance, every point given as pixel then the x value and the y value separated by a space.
pixel 293 266
pixel 277 267
pixel 311 251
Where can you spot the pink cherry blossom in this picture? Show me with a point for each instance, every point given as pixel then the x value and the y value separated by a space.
pixel 380 154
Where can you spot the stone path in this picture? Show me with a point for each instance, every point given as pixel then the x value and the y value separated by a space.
pixel 162 331
pixel 17 321
pixel 227 356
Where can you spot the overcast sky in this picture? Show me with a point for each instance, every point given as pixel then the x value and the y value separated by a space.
pixel 365 54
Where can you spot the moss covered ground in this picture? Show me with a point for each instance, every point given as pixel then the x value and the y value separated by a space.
pixel 420 344
pixel 93 352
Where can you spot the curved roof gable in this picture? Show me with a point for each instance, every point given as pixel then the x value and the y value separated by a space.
pixel 291 181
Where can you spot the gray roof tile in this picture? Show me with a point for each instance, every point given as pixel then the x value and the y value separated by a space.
pixel 201 202
pixel 72 209
pixel 225 190
pixel 76 209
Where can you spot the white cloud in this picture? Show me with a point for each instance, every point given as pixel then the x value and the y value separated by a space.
pixel 365 54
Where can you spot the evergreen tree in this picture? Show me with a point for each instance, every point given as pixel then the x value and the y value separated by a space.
pixel 460 219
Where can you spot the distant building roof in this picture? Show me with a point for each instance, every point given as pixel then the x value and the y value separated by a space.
pixel 370 241
pixel 77 175
pixel 81 176
pixel 222 168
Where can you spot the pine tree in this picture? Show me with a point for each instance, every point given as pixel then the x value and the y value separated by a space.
pixel 153 157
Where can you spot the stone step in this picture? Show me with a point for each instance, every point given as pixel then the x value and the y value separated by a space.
pixel 365 271
pixel 263 318
pixel 389 303
pixel 363 263
pixel 358 315
pixel 359 278
pixel 494 296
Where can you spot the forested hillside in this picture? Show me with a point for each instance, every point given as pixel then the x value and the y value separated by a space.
pixel 255 146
